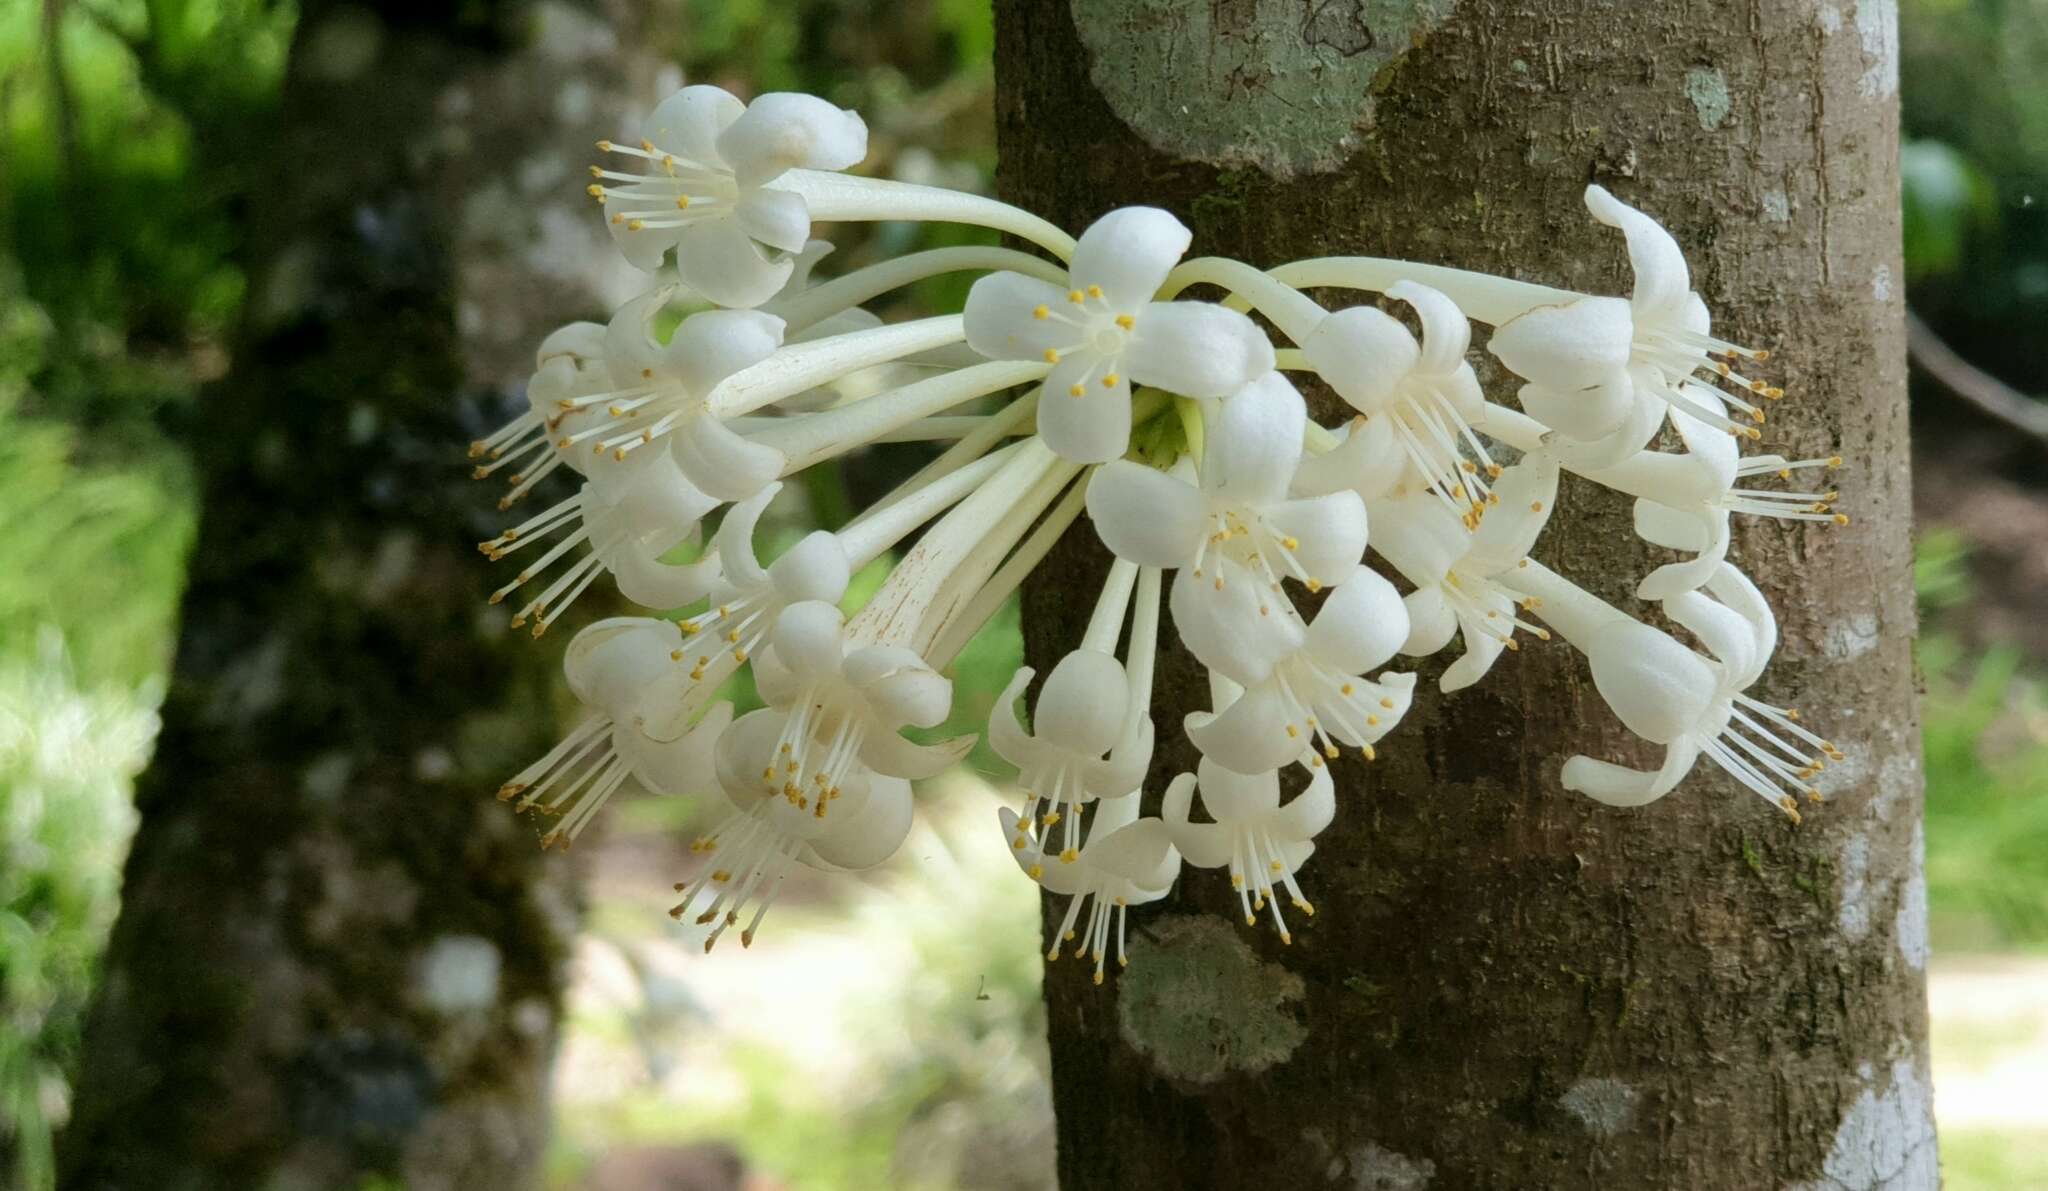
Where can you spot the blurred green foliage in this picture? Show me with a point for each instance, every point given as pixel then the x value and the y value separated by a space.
pixel 1976 177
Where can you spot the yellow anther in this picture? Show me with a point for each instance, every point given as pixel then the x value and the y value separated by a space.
pixel 1313 585
pixel 1094 291
pixel 682 202
pixel 603 147
pixel 1109 380
pixel 1291 542
pixel 1125 321
pixel 1076 390
pixel 1041 311
pixel 1069 856
pixel 634 225
pixel 618 219
pixel 1535 506
pixel 1052 355
pixel 1074 296
pixel 594 190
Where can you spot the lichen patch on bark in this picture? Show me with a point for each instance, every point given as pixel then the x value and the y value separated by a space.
pixel 1200 1005
pixel 1276 84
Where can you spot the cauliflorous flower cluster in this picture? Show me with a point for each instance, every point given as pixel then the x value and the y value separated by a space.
pixel 1078 378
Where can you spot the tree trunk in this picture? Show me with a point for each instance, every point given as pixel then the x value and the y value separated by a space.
pixel 338 959
pixel 1508 985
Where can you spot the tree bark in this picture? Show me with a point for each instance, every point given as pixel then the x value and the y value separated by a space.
pixel 338 959
pixel 1507 985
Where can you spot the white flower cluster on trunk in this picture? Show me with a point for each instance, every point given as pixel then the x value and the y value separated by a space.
pixel 1079 378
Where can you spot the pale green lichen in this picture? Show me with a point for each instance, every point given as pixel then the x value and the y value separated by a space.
pixel 1707 88
pixel 1200 1005
pixel 1252 83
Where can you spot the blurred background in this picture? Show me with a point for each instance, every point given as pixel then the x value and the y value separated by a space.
pixel 124 169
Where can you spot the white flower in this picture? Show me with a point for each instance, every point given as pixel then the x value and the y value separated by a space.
pixel 1262 842
pixel 1426 394
pixel 1316 697
pixel 1091 739
pixel 1237 533
pixel 1603 371
pixel 1105 333
pixel 608 664
pixel 563 396
pixel 756 844
pixel 745 598
pixel 658 392
pixel 626 521
pixel 846 704
pixel 1693 704
pixel 1126 862
pixel 1457 568
pixel 706 192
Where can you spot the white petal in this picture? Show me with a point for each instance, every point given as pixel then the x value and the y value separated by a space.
pixel 921 698
pixel 647 581
pixel 1307 813
pixel 891 754
pixel 716 258
pixel 778 218
pixel 734 542
pixel 1605 782
pixel 1141 853
pixel 1253 443
pixel 686 765
pixel 784 130
pixel 1204 845
pixel 1663 285
pixel 1129 252
pixel 1360 626
pixel 579 342
pixel 608 663
pixel 1659 689
pixel 999 321
pixel 632 354
pixel 1083 703
pixel 872 833
pixel 643 247
pixel 1586 413
pixel 1367 460
pixel 1094 427
pixel 808 639
pixel 1145 515
pixel 1528 495
pixel 1446 332
pixel 1364 353
pixel 654 505
pixel 816 568
pixel 1431 624
pixel 1721 629
pixel 688 123
pixel 721 461
pixel 1224 627
pixel 1419 536
pixel 1482 650
pixel 744 750
pixel 1237 797
pixel 1196 349
pixel 1567 347
pixel 1249 736
pixel 1006 734
pixel 1329 532
pixel 1674 529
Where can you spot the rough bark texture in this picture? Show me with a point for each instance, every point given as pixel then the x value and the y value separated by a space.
pixel 1506 985
pixel 338 959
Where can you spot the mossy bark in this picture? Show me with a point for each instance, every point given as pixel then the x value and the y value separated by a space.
pixel 1507 985
pixel 338 959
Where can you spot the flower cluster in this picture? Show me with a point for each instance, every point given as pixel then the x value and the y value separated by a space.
pixel 1078 378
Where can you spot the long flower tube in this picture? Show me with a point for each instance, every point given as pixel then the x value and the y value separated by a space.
pixel 1079 384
